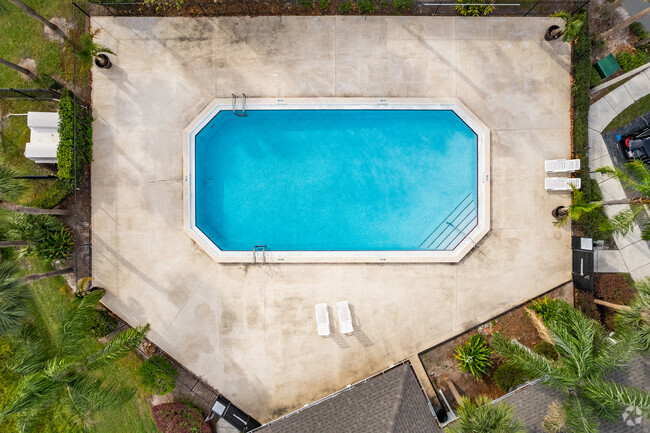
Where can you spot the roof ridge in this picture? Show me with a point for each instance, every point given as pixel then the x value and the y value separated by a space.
pixel 399 398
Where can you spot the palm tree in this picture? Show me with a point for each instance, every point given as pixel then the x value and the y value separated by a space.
pixel 572 26
pixel 635 175
pixel 623 24
pixel 14 298
pixel 482 417
pixel 89 51
pixel 32 13
pixel 42 235
pixel 12 188
pixel 17 68
pixel 636 316
pixel 57 371
pixel 586 355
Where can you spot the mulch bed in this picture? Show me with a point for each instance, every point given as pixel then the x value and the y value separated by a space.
pixel 615 288
pixel 179 417
pixel 441 366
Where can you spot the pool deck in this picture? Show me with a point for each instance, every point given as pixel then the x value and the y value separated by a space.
pixel 250 330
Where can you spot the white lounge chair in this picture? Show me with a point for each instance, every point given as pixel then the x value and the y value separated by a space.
pixel 562 165
pixel 322 320
pixel 561 183
pixel 44 137
pixel 345 317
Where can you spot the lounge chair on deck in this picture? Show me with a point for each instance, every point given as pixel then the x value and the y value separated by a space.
pixel 561 183
pixel 345 317
pixel 322 320
pixel 562 165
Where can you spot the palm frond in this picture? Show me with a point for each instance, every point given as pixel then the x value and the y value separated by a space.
pixel 11 189
pixel 35 392
pixel 645 231
pixel 76 321
pixel 624 221
pixel 637 318
pixel 483 416
pixel 117 348
pixel 535 365
pixel 613 395
pixel 31 352
pixel 574 337
pixel 14 299
pixel 640 174
pixel 88 395
pixel 580 416
pixel 614 353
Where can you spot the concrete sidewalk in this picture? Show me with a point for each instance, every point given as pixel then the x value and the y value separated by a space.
pixel 633 254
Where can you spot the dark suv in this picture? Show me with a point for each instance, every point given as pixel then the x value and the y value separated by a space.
pixel 636 146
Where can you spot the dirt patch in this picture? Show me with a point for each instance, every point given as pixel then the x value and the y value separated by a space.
pixel 615 288
pixel 63 24
pixel 78 203
pixel 441 366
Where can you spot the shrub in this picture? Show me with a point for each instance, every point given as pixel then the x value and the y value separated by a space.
pixel 366 7
pixel 50 239
pixel 638 30
pixel 345 7
pixel 632 59
pixel 544 307
pixel 164 4
pixel 54 245
pixel 508 376
pixel 403 5
pixel 469 8
pixel 179 417
pixel 69 111
pixel 546 349
pixel 101 324
pixel 595 224
pixel 594 78
pixel 324 4
pixel 158 375
pixel 474 356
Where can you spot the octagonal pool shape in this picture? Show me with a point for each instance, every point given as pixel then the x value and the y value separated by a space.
pixel 337 180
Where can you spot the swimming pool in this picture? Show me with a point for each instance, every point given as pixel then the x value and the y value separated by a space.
pixel 336 180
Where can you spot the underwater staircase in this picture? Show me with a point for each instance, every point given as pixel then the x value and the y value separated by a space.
pixel 451 231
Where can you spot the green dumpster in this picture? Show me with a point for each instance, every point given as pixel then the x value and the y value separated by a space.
pixel 607 66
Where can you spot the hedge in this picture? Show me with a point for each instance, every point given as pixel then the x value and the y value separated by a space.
pixel 508 376
pixel 158 375
pixel 65 153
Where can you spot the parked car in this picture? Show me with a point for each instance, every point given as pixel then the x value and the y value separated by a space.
pixel 636 146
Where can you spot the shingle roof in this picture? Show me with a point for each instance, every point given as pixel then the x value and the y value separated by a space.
pixel 391 402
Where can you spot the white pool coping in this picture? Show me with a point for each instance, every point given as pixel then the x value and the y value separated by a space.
pixel 400 256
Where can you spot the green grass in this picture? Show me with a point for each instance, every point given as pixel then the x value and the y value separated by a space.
pixel 639 108
pixel 22 37
pixel 51 301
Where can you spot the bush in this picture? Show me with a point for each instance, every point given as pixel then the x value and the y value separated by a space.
pixel 50 239
pixel 101 324
pixel 366 7
pixel 507 376
pixel 595 223
pixel 158 375
pixel 324 4
pixel 68 112
pixel 638 30
pixel 594 78
pixel 179 417
pixel 546 349
pixel 474 356
pixel 630 60
pixel 403 5
pixel 54 245
pixel 468 8
pixel 345 7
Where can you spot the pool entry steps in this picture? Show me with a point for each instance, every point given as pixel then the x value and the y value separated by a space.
pixel 453 229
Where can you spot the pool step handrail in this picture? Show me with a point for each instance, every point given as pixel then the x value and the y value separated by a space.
pixel 256 249
pixel 243 105
pixel 441 233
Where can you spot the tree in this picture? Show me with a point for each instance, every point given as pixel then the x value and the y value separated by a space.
pixel 623 24
pixel 636 176
pixel 14 298
pixel 481 416
pixel 17 68
pixel 89 50
pixel 12 188
pixel 32 13
pixel 57 371
pixel 586 355
pixel 572 25
pixel 636 316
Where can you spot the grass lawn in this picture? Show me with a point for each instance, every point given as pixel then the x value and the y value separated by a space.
pixel 635 110
pixel 51 302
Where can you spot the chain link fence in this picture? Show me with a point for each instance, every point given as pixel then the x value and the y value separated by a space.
pixel 322 7
pixel 33 94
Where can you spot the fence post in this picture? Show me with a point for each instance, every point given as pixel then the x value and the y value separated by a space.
pixel 79 7
pixel 529 10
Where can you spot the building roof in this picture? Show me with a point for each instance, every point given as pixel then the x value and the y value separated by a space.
pixel 391 402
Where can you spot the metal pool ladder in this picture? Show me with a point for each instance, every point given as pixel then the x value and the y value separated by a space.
pixel 256 249
pixel 243 105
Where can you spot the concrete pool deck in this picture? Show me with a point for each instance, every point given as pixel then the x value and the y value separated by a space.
pixel 250 330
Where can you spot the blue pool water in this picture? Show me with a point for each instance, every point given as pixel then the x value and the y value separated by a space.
pixel 328 180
